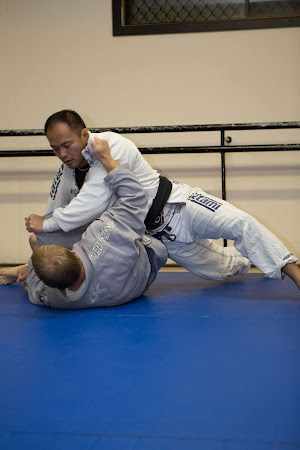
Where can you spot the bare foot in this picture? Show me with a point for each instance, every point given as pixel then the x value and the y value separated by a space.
pixel 9 275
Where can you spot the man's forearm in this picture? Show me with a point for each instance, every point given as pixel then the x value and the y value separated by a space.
pixel 50 225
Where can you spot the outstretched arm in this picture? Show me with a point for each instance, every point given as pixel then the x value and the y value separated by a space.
pixel 16 274
pixel 132 204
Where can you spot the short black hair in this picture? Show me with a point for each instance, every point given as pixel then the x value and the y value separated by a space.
pixel 68 116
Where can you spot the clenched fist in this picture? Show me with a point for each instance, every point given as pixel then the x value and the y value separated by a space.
pixel 34 223
pixel 101 151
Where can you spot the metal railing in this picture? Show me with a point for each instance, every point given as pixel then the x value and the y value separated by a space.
pixel 223 148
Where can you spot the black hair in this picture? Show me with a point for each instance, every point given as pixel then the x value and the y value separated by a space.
pixel 68 116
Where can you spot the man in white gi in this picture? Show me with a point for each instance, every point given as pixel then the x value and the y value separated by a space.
pixel 113 263
pixel 186 219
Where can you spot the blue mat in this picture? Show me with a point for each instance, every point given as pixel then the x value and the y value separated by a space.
pixel 191 365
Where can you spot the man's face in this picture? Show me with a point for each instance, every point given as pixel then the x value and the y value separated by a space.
pixel 67 144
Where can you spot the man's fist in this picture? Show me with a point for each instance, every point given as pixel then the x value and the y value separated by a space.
pixel 34 223
pixel 101 151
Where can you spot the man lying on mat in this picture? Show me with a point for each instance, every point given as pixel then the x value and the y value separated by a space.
pixel 113 263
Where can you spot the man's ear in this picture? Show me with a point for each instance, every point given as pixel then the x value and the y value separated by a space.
pixel 74 253
pixel 85 134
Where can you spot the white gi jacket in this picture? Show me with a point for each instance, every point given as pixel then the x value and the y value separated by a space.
pixel 72 208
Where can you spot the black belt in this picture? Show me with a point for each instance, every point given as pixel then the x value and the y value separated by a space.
pixel 161 198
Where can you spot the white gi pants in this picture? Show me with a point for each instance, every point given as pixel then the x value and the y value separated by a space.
pixel 205 217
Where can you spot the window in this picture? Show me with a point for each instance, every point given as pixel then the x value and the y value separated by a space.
pixel 183 16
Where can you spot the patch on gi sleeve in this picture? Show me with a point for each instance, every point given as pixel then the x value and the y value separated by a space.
pixel 42 295
pixel 102 239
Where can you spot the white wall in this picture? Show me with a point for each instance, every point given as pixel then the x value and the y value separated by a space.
pixel 61 54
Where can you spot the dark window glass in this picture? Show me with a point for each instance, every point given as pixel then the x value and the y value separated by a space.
pixel 175 16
